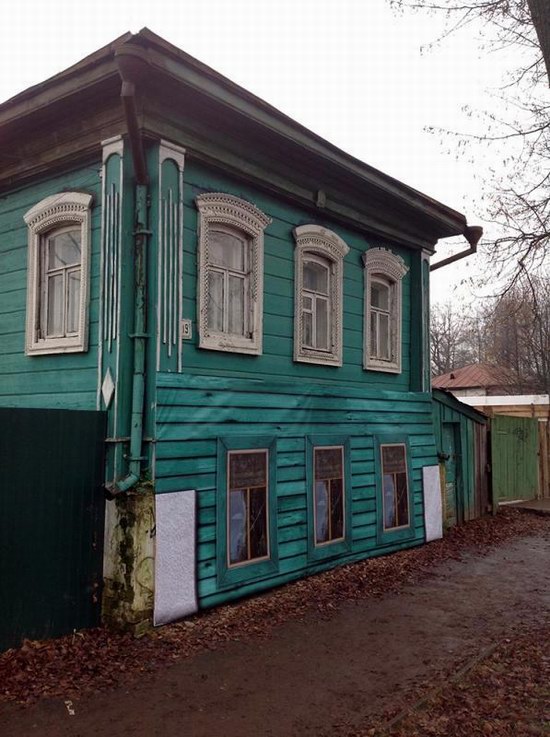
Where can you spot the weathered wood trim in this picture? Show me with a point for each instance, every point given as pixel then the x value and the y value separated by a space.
pixel 313 239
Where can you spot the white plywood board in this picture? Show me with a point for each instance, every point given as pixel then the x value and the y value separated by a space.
pixel 433 513
pixel 175 556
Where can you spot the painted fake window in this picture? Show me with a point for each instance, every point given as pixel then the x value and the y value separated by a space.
pixel 395 486
pixel 57 304
pixel 329 492
pixel 248 513
pixel 230 274
pixel 384 272
pixel 319 257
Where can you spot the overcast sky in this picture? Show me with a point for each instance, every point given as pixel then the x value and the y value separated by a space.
pixel 350 70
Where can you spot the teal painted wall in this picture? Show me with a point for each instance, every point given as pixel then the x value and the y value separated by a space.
pixel 465 430
pixel 58 381
pixel 193 411
pixel 278 323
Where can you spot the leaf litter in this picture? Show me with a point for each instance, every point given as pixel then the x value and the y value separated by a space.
pixel 99 659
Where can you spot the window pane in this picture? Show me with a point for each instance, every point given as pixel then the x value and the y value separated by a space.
pixel 236 305
pixel 73 301
pixel 226 250
pixel 321 326
pixel 337 508
pixel 402 500
pixel 247 470
pixel 384 337
pixel 64 249
pixel 328 463
pixel 308 329
pixel 237 527
pixel 56 300
pixel 389 501
pixel 393 459
pixel 316 277
pixel 321 511
pixel 307 303
pixel 258 523
pixel 215 301
pixel 380 295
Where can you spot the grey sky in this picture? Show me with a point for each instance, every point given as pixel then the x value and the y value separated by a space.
pixel 351 70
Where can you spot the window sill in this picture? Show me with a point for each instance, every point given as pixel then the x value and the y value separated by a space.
pixel 247 573
pixel 46 348
pixel 327 551
pixel 321 359
pixel 228 344
pixel 385 367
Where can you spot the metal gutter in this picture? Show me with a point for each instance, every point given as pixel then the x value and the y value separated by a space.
pixel 473 235
pixel 127 70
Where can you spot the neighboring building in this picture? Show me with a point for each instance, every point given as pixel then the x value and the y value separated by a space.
pixel 249 306
pixel 477 379
pixel 462 448
pixel 520 440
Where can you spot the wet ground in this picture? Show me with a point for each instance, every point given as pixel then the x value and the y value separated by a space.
pixel 324 674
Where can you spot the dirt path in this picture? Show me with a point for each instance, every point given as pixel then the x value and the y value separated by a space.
pixel 323 675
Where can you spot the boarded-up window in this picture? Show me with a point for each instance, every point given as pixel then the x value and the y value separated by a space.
pixel 329 494
pixel 247 528
pixel 395 486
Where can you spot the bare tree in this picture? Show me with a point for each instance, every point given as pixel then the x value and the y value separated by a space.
pixel 512 332
pixel 451 339
pixel 517 126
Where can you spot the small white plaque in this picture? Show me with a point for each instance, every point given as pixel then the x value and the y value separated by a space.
pixel 186 330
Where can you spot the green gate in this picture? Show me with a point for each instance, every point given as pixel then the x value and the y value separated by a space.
pixel 51 522
pixel 514 452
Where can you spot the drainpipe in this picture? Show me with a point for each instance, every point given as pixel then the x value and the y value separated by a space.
pixel 473 234
pixel 128 69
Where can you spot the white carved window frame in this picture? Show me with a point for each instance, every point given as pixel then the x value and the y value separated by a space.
pixel 389 268
pixel 315 240
pixel 53 213
pixel 225 209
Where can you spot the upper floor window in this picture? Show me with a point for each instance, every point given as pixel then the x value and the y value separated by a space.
pixel 230 274
pixel 57 299
pixel 318 301
pixel 383 306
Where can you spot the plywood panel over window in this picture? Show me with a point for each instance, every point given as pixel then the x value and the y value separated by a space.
pixel 247 529
pixel 395 518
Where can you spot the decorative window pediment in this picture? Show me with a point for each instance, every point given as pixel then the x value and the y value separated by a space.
pixel 319 259
pixel 230 273
pixel 384 272
pixel 58 276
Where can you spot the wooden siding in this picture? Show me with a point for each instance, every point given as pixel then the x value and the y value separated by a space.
pixel 469 503
pixel 63 380
pixel 278 318
pixel 514 457
pixel 194 411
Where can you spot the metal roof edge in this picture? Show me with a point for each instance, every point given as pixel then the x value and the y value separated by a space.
pixel 445 397
pixel 160 55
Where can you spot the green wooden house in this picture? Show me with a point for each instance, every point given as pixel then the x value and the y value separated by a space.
pixel 248 305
